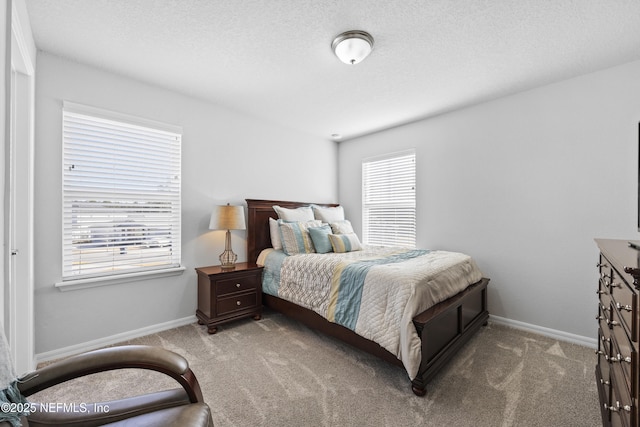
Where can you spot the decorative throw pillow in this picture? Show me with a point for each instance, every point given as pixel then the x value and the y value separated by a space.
pixel 304 213
pixel 342 227
pixel 328 215
pixel 274 231
pixel 345 242
pixel 320 238
pixel 296 238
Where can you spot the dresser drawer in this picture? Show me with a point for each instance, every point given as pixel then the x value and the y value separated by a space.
pixel 604 268
pixel 604 360
pixel 237 284
pixel 604 314
pixel 604 343
pixel 237 303
pixel 603 292
pixel 621 408
pixel 624 299
pixel 623 353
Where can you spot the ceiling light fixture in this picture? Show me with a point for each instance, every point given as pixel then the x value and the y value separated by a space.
pixel 353 46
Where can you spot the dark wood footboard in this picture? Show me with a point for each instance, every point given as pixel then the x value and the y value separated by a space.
pixel 446 327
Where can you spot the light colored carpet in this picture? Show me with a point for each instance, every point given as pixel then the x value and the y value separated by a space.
pixel 276 372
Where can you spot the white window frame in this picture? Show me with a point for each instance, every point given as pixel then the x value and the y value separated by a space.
pixel 135 233
pixel 389 199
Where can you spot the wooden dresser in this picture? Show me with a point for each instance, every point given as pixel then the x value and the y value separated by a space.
pixel 617 366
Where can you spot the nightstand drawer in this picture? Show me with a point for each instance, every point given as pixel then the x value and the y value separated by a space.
pixel 237 303
pixel 237 284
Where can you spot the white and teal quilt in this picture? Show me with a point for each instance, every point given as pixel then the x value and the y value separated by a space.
pixel 376 292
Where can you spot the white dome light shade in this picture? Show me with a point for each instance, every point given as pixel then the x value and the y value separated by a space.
pixel 352 47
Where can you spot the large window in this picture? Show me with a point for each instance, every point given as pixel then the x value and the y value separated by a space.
pixel 389 200
pixel 121 194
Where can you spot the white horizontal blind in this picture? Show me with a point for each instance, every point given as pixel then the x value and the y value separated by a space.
pixel 121 197
pixel 389 200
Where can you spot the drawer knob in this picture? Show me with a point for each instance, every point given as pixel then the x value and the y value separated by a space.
pixel 599 317
pixel 599 292
pixel 623 359
pixel 237 285
pixel 603 382
pixel 613 322
pixel 238 303
pixel 623 307
pixel 617 408
pixel 616 285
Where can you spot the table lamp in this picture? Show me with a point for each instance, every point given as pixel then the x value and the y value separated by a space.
pixel 227 218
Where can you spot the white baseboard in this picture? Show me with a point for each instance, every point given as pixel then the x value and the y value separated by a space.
pixel 547 332
pixel 125 336
pixel 113 339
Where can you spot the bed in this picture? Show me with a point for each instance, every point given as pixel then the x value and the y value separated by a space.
pixel 441 329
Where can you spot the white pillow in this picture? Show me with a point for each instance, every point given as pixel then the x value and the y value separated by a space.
pixel 304 213
pixel 274 230
pixel 328 215
pixel 342 227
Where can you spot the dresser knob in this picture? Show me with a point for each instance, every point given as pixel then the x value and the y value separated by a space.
pixel 238 303
pixel 621 359
pixel 617 407
pixel 613 322
pixel 599 317
pixel 599 292
pixel 237 285
pixel 616 285
pixel 603 382
pixel 623 307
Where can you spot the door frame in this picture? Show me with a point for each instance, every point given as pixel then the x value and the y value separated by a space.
pixel 19 195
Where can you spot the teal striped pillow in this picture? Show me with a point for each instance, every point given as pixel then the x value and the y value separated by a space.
pixel 296 238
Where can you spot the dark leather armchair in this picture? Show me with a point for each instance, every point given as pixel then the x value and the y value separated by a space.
pixel 183 406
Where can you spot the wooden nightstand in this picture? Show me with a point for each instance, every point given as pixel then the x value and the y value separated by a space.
pixel 226 295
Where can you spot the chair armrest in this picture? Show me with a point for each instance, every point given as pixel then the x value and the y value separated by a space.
pixel 107 359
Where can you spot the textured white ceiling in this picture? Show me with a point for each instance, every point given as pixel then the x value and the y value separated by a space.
pixel 273 58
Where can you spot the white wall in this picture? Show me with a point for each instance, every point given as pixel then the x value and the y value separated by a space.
pixel 226 157
pixel 524 184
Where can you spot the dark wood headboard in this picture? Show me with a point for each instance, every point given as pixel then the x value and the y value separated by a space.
pixel 258 236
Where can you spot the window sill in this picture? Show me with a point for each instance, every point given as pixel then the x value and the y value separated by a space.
pixel 72 285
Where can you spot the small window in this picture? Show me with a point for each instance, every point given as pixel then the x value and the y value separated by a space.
pixel 121 194
pixel 389 200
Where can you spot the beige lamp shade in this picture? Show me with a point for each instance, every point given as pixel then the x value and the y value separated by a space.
pixel 227 218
